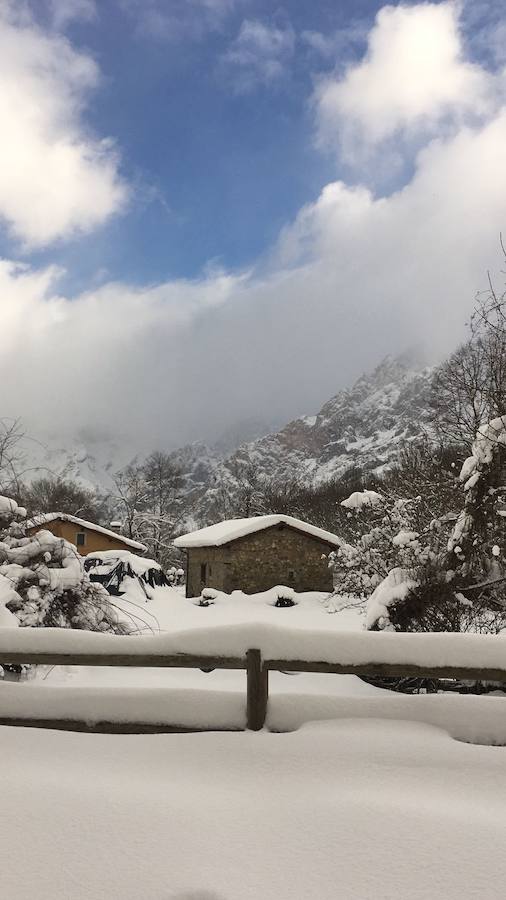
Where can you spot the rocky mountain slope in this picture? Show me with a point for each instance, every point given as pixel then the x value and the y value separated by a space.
pixel 362 426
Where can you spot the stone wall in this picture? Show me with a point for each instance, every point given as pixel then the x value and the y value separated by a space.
pixel 214 559
pixel 257 562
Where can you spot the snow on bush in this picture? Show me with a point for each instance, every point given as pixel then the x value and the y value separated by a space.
pixel 479 527
pixel 393 535
pixel 359 499
pixel 396 586
pixel 461 586
pixel 279 596
pixel 207 597
pixel 43 581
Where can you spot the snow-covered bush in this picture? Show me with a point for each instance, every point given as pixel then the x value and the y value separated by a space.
pixel 391 533
pixel 285 597
pixel 43 581
pixel 175 576
pixel 207 597
pixel 477 540
pixel 460 587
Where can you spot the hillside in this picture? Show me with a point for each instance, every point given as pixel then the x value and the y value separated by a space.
pixel 362 426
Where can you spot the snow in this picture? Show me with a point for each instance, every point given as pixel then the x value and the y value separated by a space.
pixel 232 529
pixel 488 438
pixel 10 510
pixel 284 639
pixel 109 558
pixel 359 499
pixel 357 809
pixel 44 518
pixel 188 698
pixel 404 538
pixel 7 593
pixel 394 587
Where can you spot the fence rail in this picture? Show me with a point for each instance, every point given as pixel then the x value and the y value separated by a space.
pixel 257 678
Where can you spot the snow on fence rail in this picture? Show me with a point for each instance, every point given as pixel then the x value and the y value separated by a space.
pixel 259 649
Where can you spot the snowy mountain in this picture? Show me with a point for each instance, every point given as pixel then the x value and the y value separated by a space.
pixel 86 457
pixel 362 426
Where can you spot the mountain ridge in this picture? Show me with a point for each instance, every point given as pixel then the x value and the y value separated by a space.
pixel 362 426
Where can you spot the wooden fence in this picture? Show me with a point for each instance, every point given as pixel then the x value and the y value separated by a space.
pixel 257 672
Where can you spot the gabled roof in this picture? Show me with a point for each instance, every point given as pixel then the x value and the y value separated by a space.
pixel 42 519
pixel 232 529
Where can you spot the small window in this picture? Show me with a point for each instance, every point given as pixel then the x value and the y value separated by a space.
pixel 203 573
pixel 80 539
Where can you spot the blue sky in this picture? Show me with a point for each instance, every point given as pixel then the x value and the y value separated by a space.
pixel 287 192
pixel 218 168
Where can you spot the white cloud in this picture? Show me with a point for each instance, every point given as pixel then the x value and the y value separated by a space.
pixel 63 12
pixel 259 55
pixel 353 277
pixel 177 19
pixel 412 79
pixel 336 43
pixel 55 179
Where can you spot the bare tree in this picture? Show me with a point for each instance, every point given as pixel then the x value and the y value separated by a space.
pixel 462 393
pixel 11 456
pixel 54 494
pixel 164 507
pixel 130 496
pixel 469 388
pixel 149 501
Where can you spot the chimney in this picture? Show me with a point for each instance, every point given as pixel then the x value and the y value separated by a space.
pixel 116 526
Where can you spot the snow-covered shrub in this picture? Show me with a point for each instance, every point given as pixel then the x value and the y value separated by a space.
pixel 359 499
pixel 207 597
pixel 43 581
pixel 477 540
pixel 285 597
pixel 175 576
pixel 461 587
pixel 393 534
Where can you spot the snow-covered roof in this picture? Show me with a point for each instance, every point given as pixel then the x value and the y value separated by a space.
pixel 232 529
pixel 44 518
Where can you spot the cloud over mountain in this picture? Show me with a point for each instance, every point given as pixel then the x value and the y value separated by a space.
pixel 359 272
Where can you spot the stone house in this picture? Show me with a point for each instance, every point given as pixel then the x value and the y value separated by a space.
pixel 256 554
pixel 87 537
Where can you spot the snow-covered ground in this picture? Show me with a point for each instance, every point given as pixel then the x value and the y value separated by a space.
pixel 391 798
pixel 191 698
pixel 355 809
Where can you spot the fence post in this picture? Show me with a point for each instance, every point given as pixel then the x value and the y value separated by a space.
pixel 257 691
